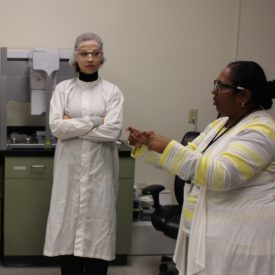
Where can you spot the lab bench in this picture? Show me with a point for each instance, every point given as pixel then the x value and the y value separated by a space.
pixel 26 190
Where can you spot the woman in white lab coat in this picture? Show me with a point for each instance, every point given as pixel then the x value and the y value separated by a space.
pixel 86 117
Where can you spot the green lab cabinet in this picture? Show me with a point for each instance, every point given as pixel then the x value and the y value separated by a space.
pixel 27 191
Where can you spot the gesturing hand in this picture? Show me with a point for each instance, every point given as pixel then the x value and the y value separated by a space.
pixel 137 138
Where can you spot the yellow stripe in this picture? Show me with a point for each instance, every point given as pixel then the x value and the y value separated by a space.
pixel 138 152
pixel 166 152
pixel 271 167
pixel 254 155
pixel 201 171
pixel 192 146
pixel 215 123
pixel 268 129
pixel 176 164
pixel 218 183
pixel 191 199
pixel 240 164
pixel 151 158
pixel 188 214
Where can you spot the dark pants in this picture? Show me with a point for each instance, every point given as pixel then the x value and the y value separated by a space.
pixel 72 265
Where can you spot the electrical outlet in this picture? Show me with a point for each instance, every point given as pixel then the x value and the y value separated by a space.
pixel 193 116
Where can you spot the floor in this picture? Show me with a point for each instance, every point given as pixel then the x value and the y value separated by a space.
pixel 137 265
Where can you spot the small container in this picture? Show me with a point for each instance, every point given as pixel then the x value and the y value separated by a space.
pixel 40 135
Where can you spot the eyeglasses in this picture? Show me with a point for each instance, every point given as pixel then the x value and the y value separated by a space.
pixel 96 54
pixel 220 86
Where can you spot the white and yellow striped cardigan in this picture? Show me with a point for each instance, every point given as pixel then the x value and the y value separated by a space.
pixel 233 182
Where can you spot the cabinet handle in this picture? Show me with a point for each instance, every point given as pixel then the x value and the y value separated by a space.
pixel 38 168
pixel 19 168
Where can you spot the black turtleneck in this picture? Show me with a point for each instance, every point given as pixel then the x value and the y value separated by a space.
pixel 88 77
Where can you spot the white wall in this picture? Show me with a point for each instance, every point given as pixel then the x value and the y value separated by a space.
pixel 163 54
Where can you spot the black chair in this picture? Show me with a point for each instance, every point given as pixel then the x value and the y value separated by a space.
pixel 166 218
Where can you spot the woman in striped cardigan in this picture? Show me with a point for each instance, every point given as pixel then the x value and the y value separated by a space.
pixel 228 220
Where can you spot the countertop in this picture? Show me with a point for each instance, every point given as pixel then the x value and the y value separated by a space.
pixel 124 151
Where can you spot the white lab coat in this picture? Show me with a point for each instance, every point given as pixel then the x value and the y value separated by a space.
pixel 82 217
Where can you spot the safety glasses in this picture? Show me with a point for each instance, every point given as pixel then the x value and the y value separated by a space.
pixel 96 54
pixel 220 86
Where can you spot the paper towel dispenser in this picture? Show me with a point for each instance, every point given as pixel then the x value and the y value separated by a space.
pixel 45 64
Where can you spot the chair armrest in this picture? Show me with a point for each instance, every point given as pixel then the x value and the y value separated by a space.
pixel 154 191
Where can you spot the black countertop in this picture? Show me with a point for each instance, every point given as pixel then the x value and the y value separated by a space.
pixel 124 151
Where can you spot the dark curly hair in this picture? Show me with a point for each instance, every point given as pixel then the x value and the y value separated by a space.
pixel 251 76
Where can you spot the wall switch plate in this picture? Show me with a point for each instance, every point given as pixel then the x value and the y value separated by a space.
pixel 193 116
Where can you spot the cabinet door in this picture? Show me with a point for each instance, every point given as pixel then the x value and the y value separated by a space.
pixel 124 216
pixel 28 167
pixel 27 195
pixel 26 210
pixel 125 205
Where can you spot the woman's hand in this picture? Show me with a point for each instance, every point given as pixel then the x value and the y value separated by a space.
pixel 152 140
pixel 157 142
pixel 137 138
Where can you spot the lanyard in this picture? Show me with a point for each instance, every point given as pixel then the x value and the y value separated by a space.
pixel 217 136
